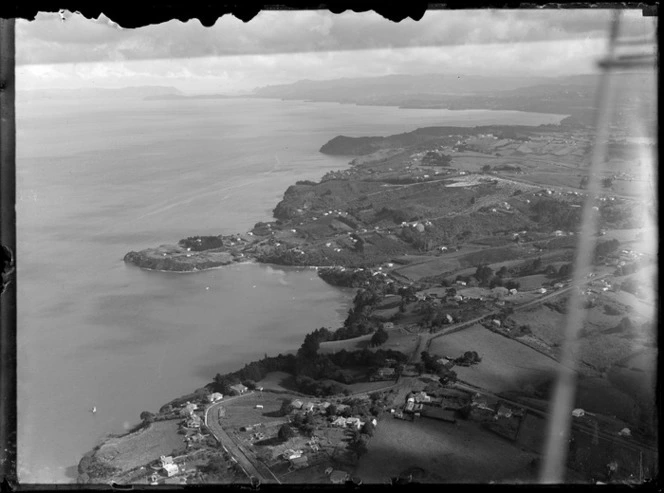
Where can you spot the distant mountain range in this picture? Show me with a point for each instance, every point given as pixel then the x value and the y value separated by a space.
pixel 568 95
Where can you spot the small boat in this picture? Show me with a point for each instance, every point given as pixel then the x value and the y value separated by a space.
pixel 94 409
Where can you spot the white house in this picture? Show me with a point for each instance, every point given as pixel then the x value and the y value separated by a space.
pixel 171 469
pixel 578 413
pixel 215 396
pixel 340 422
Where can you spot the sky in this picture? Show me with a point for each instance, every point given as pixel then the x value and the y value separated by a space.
pixel 66 50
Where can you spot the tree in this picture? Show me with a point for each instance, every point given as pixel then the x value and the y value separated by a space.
pixel 147 417
pixel 358 447
pixel 565 270
pixel 285 432
pixel 368 428
pixel 502 272
pixel 332 410
pixel 607 182
pixel 380 337
pixel 483 274
pixel 486 168
pixel 216 465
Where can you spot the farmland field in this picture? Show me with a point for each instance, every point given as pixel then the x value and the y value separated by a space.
pixel 445 452
pixel 142 447
pixel 506 364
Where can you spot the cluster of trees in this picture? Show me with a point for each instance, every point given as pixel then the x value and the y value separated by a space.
pixel 397 216
pixel 604 248
pixel 630 285
pixel 380 337
pixel 469 358
pixel 486 277
pixel 432 158
pixel 556 214
pixel 430 364
pixel 201 243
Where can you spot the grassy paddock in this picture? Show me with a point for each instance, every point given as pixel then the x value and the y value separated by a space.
pixel 506 364
pixel 445 452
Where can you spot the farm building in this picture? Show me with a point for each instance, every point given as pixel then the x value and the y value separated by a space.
pixel 238 389
pixel 297 404
pixel 438 413
pixel 340 422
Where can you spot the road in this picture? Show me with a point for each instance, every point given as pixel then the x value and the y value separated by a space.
pixel 235 450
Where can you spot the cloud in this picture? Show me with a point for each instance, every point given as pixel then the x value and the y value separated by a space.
pixel 48 39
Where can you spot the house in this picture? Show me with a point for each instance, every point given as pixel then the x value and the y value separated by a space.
pixel 383 373
pixel 422 397
pixel 409 406
pixel 194 421
pixel 388 325
pixel 578 413
pixel 340 422
pixel 308 407
pixel 461 283
pixel 297 404
pixel 338 477
pixel 496 322
pixel 188 409
pixel 625 432
pixel 541 290
pixel 238 389
pixel 259 406
pixel 299 462
pixel 513 291
pixel 374 422
pixel 171 469
pixel 354 422
pixel 290 454
pixel 215 396
pixel 165 460
pixel 503 411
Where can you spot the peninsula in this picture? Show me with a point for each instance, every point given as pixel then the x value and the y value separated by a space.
pixel 460 242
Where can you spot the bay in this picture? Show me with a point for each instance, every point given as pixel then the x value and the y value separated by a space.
pixel 96 179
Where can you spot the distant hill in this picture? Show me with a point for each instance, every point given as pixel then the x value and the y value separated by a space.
pixel 97 93
pixel 573 95
pixel 367 89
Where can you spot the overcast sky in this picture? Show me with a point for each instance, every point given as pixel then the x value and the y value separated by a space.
pixel 281 47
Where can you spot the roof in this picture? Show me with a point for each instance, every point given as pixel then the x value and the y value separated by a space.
pixel 338 476
pixel 297 403
pixel 299 461
pixel 239 387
